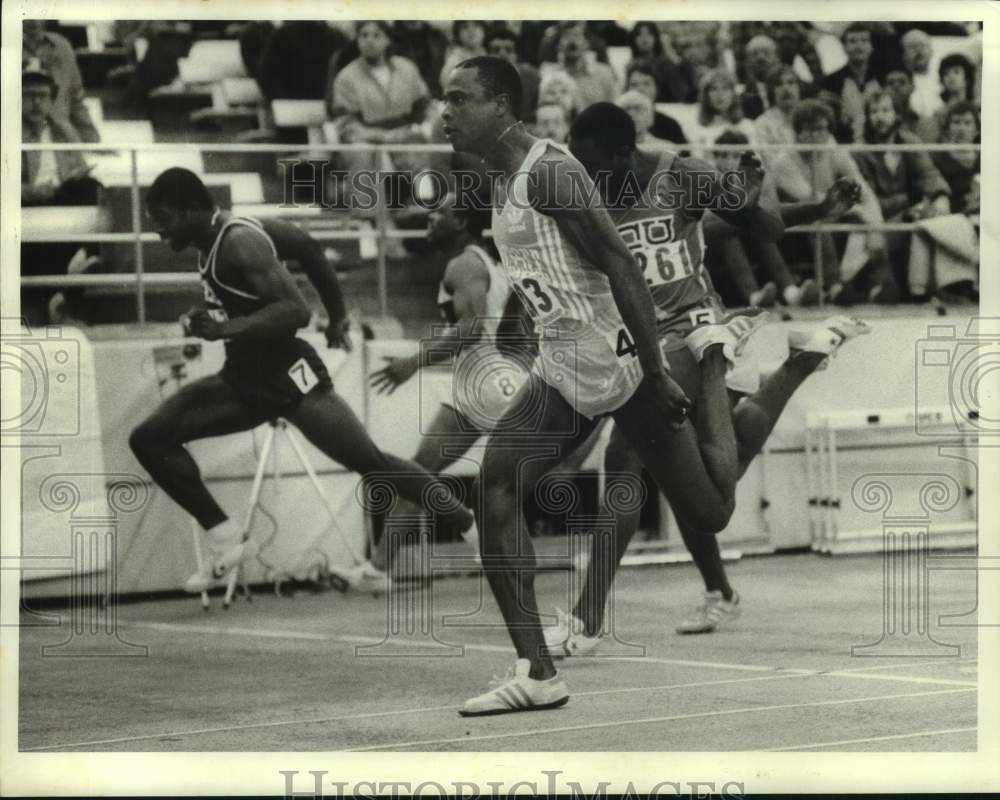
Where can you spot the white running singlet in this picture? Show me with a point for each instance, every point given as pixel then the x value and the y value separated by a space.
pixel 585 351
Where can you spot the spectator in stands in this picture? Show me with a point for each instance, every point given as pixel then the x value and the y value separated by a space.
pixel 674 85
pixel 51 178
pixel 548 48
pixel 907 184
pixel 761 60
pixel 944 257
pixel 377 97
pixel 926 97
pixel 552 122
pixel 958 78
pixel 899 83
pixel 425 46
pixel 718 110
pixel 558 88
pixel 52 53
pixel 958 81
pixel 639 76
pixel 805 175
pixel 960 168
pixel 468 36
pixel 774 126
pixel 859 77
pixel 502 43
pixel 380 99
pixel 696 49
pixel 289 57
pixel 733 252
pixel 793 40
pixel 640 108
pixel 595 81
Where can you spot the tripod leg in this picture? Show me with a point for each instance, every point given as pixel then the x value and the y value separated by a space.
pixel 258 480
pixel 198 559
pixel 307 466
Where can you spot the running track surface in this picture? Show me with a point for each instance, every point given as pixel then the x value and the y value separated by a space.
pixel 284 674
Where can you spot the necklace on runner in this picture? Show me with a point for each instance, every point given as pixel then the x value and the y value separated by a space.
pixel 508 129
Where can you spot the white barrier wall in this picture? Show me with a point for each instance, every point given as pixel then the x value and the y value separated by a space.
pixel 122 381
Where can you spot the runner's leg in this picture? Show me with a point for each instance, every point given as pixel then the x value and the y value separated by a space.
pixel 517 455
pixel 205 408
pixel 328 422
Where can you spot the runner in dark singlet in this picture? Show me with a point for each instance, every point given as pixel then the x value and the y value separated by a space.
pixel 253 304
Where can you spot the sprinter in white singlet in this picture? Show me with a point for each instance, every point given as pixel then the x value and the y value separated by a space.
pixel 599 354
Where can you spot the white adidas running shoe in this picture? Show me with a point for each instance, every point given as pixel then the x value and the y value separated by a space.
pixel 828 338
pixel 715 611
pixel 567 638
pixel 516 691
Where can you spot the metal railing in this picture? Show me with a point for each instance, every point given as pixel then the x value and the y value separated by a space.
pixel 382 233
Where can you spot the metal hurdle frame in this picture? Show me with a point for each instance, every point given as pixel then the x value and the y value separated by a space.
pixel 821 448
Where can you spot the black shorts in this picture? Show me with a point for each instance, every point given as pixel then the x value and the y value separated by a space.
pixel 273 380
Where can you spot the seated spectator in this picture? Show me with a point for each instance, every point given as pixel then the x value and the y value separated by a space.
pixel 794 42
pixel 552 122
pixel 673 84
pixel 425 46
pixel 944 257
pixel 958 81
pixel 467 37
pixel 595 82
pixel 558 88
pixel 907 184
pixel 774 126
pixel 695 46
pixel 958 78
pixel 52 53
pixel 548 47
pixel 718 110
pixel 926 98
pixel 732 253
pixel 960 168
pixel 289 57
pixel 639 76
pixel 805 175
pixel 51 178
pixel 761 60
pixel 899 83
pixel 640 108
pixel 379 99
pixel 502 43
pixel 859 77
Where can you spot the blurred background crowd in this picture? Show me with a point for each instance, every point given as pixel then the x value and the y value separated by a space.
pixel 694 87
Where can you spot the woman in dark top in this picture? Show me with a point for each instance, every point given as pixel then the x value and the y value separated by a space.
pixel 641 76
pixel 674 85
pixel 959 167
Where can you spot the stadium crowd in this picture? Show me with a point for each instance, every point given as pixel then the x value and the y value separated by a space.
pixel 690 86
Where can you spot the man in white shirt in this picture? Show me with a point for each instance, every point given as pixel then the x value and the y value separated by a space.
pixel 926 97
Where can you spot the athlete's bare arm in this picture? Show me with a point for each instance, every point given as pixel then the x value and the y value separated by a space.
pixel 705 189
pixel 840 198
pixel 294 243
pixel 468 280
pixel 590 229
pixel 244 260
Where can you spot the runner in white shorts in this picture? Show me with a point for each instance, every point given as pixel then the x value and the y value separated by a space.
pixel 599 354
